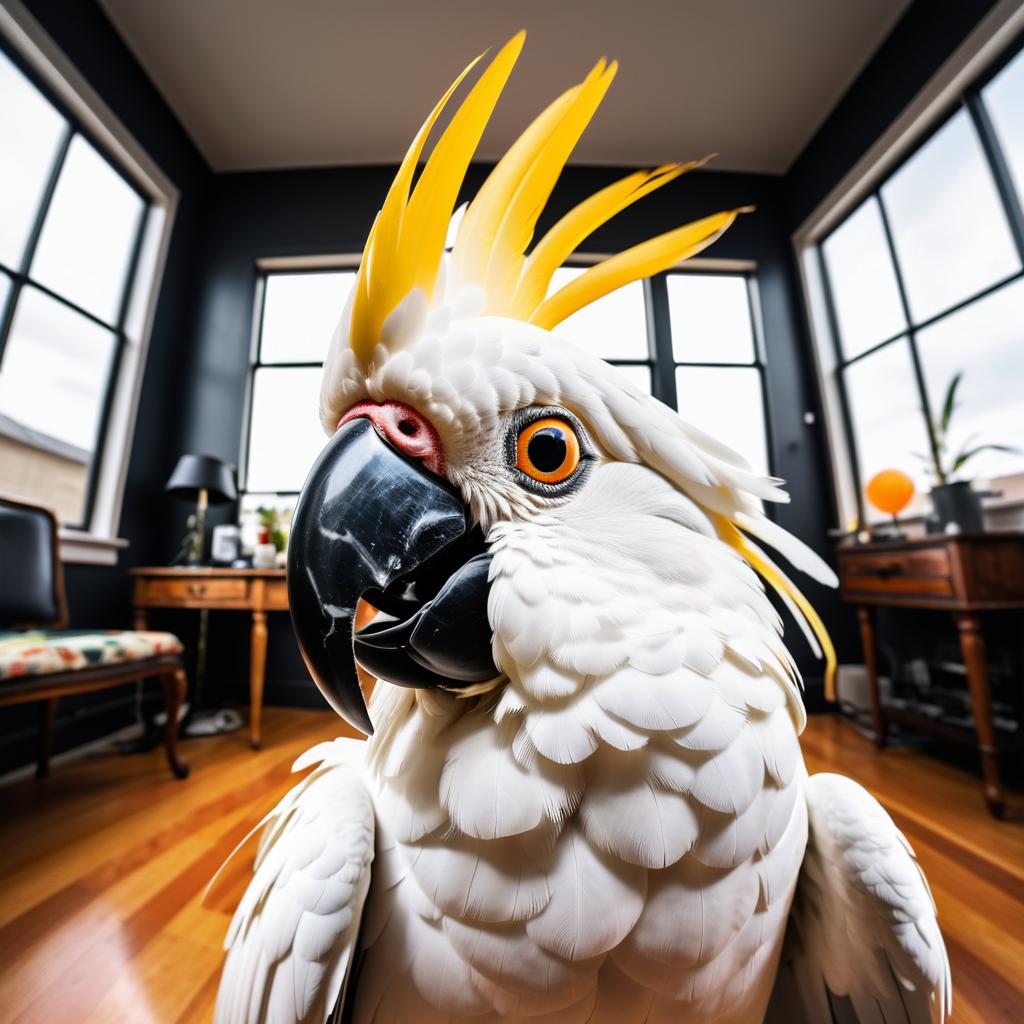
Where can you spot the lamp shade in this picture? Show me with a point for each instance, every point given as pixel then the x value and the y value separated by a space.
pixel 194 473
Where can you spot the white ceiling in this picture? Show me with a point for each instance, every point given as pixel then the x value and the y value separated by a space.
pixel 298 83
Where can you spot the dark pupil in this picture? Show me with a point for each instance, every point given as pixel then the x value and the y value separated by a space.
pixel 547 449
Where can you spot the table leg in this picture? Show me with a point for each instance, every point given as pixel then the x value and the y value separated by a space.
pixel 972 643
pixel 175 685
pixel 141 620
pixel 866 617
pixel 257 668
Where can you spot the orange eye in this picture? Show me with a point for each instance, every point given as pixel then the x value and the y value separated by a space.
pixel 548 450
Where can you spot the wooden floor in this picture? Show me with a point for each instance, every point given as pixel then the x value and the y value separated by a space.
pixel 103 865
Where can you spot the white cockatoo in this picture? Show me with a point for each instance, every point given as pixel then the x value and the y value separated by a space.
pixel 583 799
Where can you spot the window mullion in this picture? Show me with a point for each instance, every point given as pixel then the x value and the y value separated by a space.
pixel 1000 169
pixel 133 266
pixel 44 203
pixel 113 373
pixel 760 358
pixel 844 400
pixel 255 362
pixel 103 422
pixel 659 340
pixel 915 357
pixel 7 316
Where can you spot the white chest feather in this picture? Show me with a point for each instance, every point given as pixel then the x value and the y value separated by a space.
pixel 650 880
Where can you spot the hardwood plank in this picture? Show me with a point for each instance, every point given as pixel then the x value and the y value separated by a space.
pixel 103 866
pixel 71 840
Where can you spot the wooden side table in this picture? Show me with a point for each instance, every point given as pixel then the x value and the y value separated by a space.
pixel 962 575
pixel 255 590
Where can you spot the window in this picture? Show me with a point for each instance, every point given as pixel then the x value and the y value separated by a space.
pixel 614 328
pixel 71 228
pixel 701 345
pixel 718 369
pixel 298 312
pixel 925 280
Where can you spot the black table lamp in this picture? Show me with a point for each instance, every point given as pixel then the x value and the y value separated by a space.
pixel 205 480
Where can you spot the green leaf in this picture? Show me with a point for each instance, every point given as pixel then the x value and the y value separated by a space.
pixel 949 403
pixel 969 453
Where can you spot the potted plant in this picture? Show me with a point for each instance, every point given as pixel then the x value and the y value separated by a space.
pixel 271 539
pixel 954 501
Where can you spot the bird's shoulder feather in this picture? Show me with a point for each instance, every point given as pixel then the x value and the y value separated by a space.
pixel 291 942
pixel 863 943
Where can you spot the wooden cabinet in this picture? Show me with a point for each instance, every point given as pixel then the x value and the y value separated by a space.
pixel 976 572
pixel 960 574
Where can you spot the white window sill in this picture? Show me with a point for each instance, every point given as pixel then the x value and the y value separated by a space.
pixel 81 548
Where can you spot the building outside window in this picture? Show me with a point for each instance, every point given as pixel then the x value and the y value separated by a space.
pixel 690 338
pixel 71 229
pixel 925 280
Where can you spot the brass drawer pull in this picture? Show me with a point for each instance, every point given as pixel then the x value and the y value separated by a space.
pixel 196 589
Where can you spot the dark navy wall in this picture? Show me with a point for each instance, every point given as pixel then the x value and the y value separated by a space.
pixel 921 42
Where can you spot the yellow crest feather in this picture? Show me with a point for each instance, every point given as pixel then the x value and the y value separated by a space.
pixel 801 609
pixel 405 247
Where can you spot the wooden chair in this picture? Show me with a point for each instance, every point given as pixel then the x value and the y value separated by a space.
pixel 40 660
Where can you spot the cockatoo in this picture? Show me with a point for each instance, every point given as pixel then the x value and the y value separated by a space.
pixel 582 798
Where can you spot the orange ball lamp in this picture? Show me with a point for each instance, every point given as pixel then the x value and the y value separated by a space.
pixel 890 491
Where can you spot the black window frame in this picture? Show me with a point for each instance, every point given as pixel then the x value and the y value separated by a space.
pixel 660 361
pixel 970 100
pixel 669 364
pixel 20 276
pixel 256 363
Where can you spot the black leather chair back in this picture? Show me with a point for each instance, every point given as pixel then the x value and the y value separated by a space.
pixel 31 580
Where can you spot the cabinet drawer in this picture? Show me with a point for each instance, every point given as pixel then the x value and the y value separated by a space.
pixel 174 591
pixel 925 572
pixel 276 596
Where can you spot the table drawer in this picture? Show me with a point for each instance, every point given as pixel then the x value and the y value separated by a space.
pixel 276 596
pixel 173 591
pixel 924 572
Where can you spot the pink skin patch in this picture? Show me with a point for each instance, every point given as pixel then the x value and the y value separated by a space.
pixel 406 429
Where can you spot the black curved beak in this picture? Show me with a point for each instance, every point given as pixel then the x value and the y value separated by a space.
pixel 372 523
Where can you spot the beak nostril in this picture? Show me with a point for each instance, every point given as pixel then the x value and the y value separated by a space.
pixel 405 428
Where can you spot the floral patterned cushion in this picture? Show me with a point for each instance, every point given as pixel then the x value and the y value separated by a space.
pixel 64 650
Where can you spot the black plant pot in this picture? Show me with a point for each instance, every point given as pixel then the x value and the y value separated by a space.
pixel 956 503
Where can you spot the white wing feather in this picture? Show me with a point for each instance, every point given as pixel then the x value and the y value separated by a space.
pixel 864 944
pixel 290 944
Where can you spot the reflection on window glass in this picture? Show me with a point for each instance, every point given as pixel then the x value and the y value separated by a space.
pixel 727 404
pixel 1004 97
pixel 32 131
pixel 86 245
pixel 886 413
pixel 865 295
pixel 52 387
pixel 948 225
pixel 300 313
pixel 710 318
pixel 614 327
pixel 285 435
pixel 984 341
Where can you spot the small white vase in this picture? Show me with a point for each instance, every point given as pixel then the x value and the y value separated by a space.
pixel 264 557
